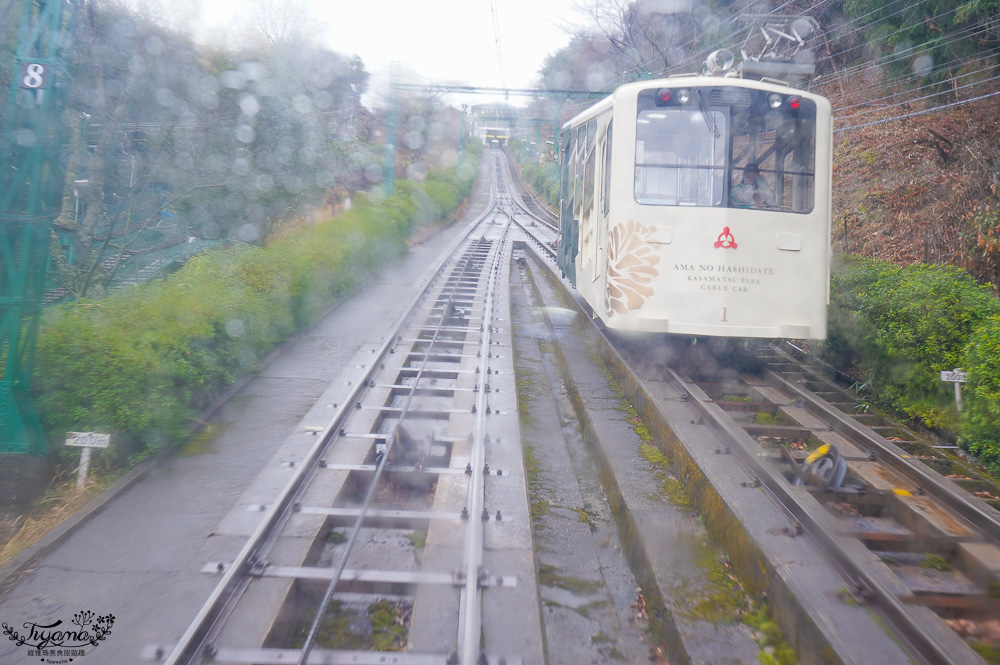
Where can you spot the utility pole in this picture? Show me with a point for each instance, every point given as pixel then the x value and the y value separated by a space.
pixel 31 182
pixel 461 131
pixel 389 164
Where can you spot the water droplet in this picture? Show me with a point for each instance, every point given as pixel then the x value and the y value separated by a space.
pixel 245 134
pixel 249 106
pixel 247 233
pixel 923 64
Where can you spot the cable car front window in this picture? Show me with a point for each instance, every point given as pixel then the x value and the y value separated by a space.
pixel 679 159
pixel 773 160
pixel 726 146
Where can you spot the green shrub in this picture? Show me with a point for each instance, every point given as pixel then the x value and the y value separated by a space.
pixel 901 326
pixel 981 412
pixel 896 328
pixel 141 363
pixel 541 177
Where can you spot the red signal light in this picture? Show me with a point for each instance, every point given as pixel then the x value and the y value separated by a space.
pixel 794 103
pixel 662 96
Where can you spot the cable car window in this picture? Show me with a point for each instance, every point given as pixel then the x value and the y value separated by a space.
pixel 726 146
pixel 680 157
pixel 607 171
pixel 579 148
pixel 590 158
pixel 774 154
pixel 566 212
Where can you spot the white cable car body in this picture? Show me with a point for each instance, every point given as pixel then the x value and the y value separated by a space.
pixel 665 227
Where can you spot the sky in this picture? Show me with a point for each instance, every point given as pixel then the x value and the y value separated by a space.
pixel 445 41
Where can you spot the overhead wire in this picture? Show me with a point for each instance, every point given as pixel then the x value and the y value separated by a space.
pixel 882 121
pixel 906 94
pixel 902 54
pixel 854 72
pixel 918 99
pixel 496 39
pixel 861 88
pixel 841 35
pixel 730 36
pixel 899 93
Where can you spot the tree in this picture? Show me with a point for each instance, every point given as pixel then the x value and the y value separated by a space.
pixel 930 41
pixel 426 135
pixel 280 22
pixel 127 159
pixel 648 35
pixel 210 144
pixel 646 38
pixel 588 62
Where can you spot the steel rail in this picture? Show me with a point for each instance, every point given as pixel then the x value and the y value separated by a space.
pixel 818 526
pixel 370 494
pixel 973 511
pixel 191 644
pixel 470 613
pixel 518 203
pixel 821 528
pixel 551 219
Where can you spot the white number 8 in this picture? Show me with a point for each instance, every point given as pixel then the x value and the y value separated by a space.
pixel 34 75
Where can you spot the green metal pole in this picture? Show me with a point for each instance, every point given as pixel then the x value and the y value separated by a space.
pixel 31 182
pixel 556 141
pixel 389 164
pixel 461 131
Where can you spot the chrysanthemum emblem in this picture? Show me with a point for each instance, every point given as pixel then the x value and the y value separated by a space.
pixel 630 271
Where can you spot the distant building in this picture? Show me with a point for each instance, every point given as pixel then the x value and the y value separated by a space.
pixel 493 123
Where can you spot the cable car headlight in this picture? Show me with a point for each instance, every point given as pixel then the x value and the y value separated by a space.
pixel 774 100
pixel 683 96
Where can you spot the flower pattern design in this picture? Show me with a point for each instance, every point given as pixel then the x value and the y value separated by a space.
pixel 630 267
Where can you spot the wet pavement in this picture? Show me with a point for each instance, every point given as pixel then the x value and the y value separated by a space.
pixel 587 589
pixel 649 543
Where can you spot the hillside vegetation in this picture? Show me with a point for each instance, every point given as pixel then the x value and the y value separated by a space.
pixel 915 219
pixel 922 189
pixel 142 363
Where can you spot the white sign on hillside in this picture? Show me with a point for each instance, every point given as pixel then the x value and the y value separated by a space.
pixel 956 376
pixel 88 441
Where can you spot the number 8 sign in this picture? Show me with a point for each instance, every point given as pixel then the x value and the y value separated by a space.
pixel 33 75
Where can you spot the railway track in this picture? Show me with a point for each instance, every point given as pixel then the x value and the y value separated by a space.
pixel 409 502
pixel 412 455
pixel 905 540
